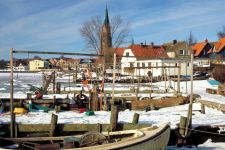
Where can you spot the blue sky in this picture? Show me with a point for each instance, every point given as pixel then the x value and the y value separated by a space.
pixel 53 25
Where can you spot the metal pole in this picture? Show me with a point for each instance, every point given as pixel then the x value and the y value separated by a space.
pixel 186 76
pixel 11 95
pixel 151 85
pixel 178 81
pixel 189 118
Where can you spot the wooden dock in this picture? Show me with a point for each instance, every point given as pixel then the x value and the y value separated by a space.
pixel 24 129
pixel 214 105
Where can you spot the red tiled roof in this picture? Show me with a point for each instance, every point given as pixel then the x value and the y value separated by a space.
pixel 148 51
pixel 198 47
pixel 119 51
pixel 220 45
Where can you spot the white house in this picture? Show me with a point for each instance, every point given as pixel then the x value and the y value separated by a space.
pixel 138 60
pixel 21 67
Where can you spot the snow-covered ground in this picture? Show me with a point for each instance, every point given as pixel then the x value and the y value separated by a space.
pixel 170 114
pixel 208 145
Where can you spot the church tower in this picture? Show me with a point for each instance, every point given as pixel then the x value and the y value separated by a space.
pixel 106 37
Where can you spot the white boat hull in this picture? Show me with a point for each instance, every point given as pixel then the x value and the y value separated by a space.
pixel 152 139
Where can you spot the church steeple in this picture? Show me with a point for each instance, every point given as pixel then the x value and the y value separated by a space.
pixel 106 22
pixel 106 37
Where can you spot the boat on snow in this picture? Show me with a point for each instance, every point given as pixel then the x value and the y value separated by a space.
pixel 213 82
pixel 153 137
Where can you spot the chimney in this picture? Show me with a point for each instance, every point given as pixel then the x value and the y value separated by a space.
pixel 152 44
pixel 174 42
pixel 206 40
pixel 141 44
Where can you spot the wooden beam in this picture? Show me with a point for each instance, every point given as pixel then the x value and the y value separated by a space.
pixel 23 128
pixel 54 53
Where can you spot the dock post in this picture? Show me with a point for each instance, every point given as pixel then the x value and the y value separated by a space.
pixel 114 118
pixel 54 100
pixel 136 93
pixel 29 96
pixel 58 87
pixel 54 121
pixel 105 107
pixel 182 126
pixel 94 100
pixel 135 118
pixel 90 100
pixel 152 106
pixel 101 97
pixel 53 83
pixel 57 109
pixel 202 108
pixel 16 130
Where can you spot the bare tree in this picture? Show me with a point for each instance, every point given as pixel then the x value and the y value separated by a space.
pixel 91 32
pixel 221 34
pixel 3 64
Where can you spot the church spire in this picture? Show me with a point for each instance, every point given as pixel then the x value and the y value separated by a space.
pixel 106 22
pixel 132 41
pixel 106 39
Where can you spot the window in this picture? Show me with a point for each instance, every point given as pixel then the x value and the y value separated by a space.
pixel 143 64
pixel 138 64
pixel 181 52
pixel 131 64
pixel 127 54
pixel 149 64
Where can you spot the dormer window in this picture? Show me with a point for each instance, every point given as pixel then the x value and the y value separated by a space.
pixel 127 54
pixel 181 52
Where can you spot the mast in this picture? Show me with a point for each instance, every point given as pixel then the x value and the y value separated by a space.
pixel 12 119
pixel 189 117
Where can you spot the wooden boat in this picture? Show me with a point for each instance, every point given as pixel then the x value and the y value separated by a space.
pixel 158 103
pixel 213 82
pixel 153 137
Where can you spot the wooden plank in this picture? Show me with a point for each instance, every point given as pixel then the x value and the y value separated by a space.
pixel 158 103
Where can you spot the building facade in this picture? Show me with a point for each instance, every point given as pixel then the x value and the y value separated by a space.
pixel 37 65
